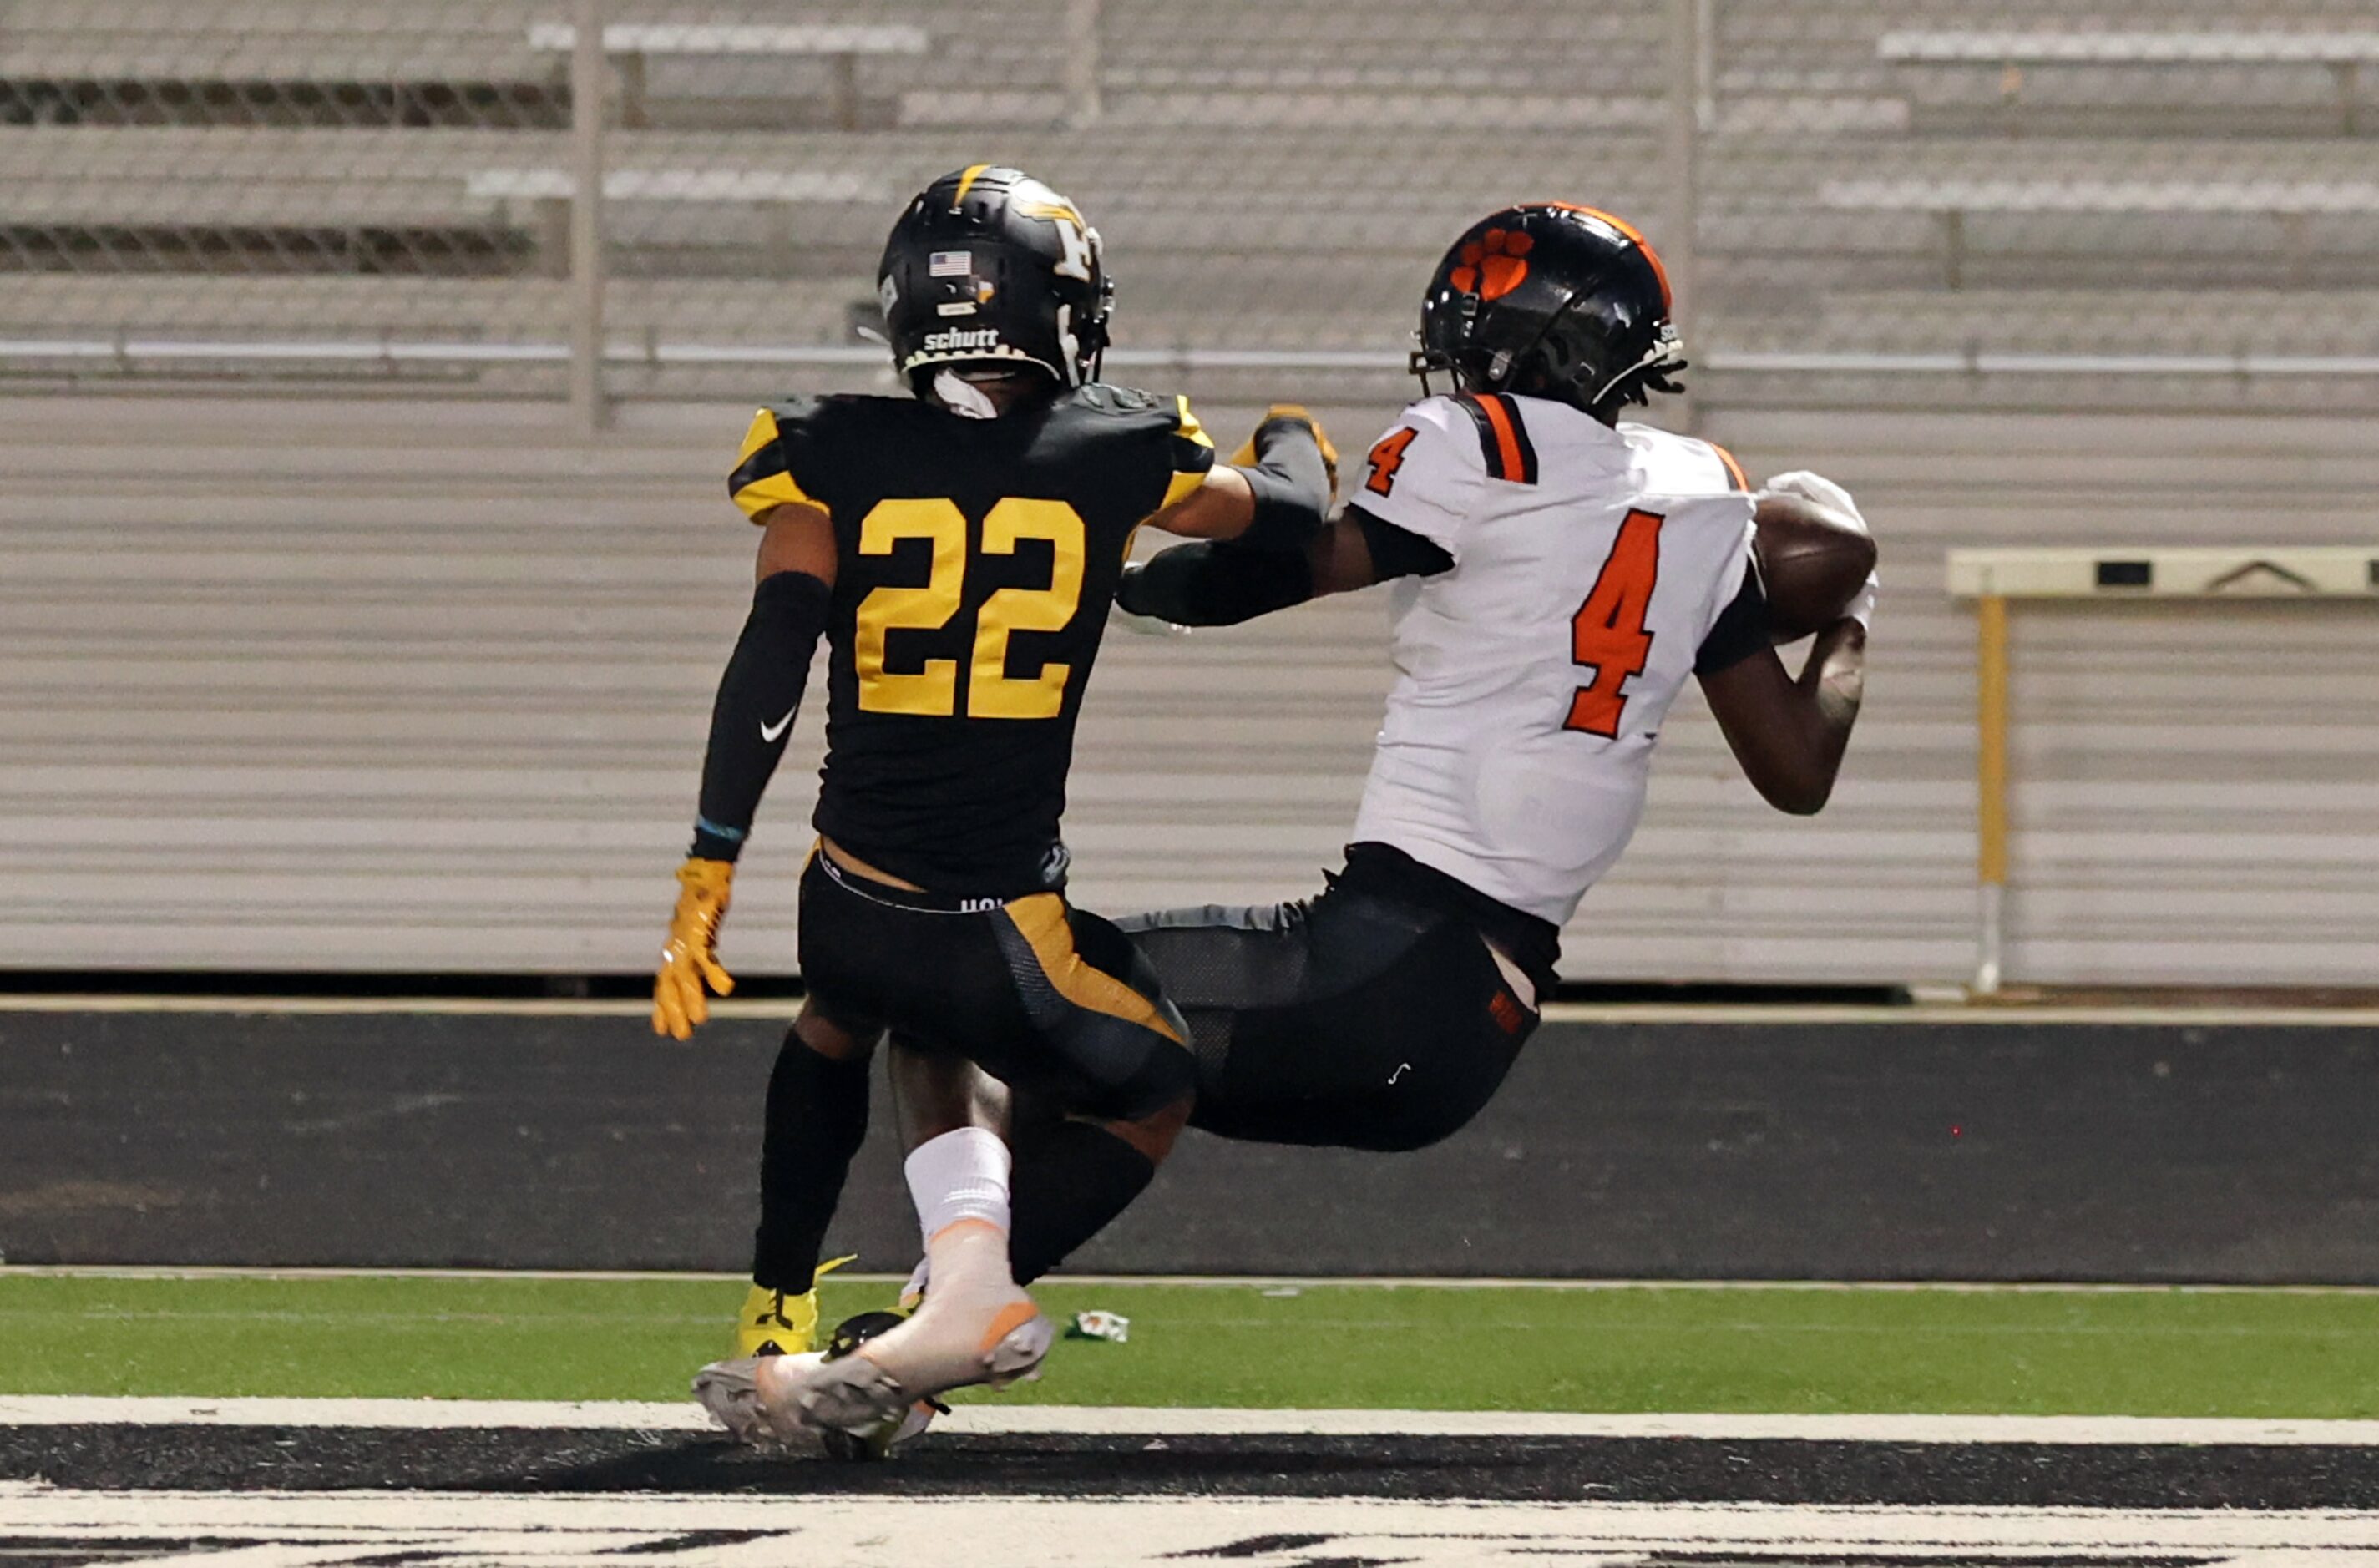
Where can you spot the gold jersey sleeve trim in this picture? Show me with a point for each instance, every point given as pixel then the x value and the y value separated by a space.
pixel 762 430
pixel 756 483
pixel 764 495
pixel 1040 919
pixel 1181 488
pixel 1187 427
pixel 1187 479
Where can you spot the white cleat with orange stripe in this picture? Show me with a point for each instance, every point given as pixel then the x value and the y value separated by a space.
pixel 759 1400
pixel 976 1326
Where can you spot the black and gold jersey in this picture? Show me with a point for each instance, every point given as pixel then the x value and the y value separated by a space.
pixel 976 560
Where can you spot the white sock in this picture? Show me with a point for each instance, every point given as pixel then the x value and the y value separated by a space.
pixel 960 1176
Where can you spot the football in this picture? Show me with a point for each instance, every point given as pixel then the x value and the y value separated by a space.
pixel 1813 561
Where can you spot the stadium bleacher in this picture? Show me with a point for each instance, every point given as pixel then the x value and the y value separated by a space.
pixel 277 208
pixel 201 166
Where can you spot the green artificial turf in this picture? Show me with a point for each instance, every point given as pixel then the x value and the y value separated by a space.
pixel 2145 1352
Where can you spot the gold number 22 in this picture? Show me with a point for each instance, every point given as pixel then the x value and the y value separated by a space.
pixel 992 693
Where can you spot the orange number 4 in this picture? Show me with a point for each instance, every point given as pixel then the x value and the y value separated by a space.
pixel 1608 630
pixel 1387 458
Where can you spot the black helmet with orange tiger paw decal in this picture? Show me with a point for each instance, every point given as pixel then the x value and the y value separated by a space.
pixel 1555 301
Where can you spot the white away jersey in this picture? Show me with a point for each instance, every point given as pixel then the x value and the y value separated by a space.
pixel 1590 565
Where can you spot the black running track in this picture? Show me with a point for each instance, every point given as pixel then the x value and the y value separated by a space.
pixel 249 1459
pixel 1907 1151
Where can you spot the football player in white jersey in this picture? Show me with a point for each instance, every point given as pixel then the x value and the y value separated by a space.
pixel 1558 576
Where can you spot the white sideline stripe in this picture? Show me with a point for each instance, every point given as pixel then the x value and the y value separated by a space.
pixel 1920 1015
pixel 1194 1282
pixel 68 1410
pixel 294 1530
pixel 1125 1421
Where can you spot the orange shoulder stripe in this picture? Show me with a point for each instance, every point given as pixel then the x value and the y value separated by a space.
pixel 1507 439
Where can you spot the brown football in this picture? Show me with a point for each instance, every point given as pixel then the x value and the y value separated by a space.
pixel 1813 561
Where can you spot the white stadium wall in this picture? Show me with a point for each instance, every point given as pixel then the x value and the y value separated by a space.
pixel 421 685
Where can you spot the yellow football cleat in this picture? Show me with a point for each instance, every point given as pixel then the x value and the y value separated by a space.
pixel 776 1322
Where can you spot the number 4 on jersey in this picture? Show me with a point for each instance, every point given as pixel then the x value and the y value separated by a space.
pixel 1608 632
pixel 1387 458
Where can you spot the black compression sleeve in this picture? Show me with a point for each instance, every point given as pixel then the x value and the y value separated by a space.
pixel 1068 1183
pixel 1292 486
pixel 755 710
pixel 1742 629
pixel 1211 583
pixel 1399 553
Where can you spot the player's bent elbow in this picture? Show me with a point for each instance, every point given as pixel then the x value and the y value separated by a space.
pixel 1804 797
pixel 1796 791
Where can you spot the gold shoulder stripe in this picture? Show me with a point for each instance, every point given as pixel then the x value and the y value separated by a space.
pixel 766 489
pixel 1188 425
pixel 1040 918
pixel 762 432
pixel 1200 454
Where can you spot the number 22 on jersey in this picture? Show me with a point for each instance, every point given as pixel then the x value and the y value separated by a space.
pixel 1608 631
pixel 932 690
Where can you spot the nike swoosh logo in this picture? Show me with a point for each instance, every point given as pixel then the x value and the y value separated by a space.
pixel 772 732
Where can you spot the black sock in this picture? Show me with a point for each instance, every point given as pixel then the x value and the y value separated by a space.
pixel 1069 1182
pixel 817 1118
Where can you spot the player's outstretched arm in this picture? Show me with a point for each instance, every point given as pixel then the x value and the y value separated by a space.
pixel 1212 584
pixel 749 723
pixel 1789 734
pixel 1273 494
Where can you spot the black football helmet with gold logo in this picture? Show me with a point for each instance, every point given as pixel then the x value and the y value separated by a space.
pixel 1554 301
pixel 989 267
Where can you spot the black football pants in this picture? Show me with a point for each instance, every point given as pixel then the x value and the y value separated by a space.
pixel 1047 999
pixel 1350 1019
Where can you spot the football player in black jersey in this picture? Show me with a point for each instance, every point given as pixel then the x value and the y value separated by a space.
pixel 958 550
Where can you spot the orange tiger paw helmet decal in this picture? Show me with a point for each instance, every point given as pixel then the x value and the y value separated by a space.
pixel 1494 265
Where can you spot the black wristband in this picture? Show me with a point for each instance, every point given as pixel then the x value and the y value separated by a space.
pixel 1291 485
pixel 754 713
pixel 1211 583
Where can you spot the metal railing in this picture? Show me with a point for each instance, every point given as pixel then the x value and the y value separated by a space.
pixel 550 198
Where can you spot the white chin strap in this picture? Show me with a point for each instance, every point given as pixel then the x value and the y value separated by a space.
pixel 962 396
pixel 1666 349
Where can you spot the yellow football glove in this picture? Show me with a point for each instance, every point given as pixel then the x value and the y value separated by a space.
pixel 1246 456
pixel 690 956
